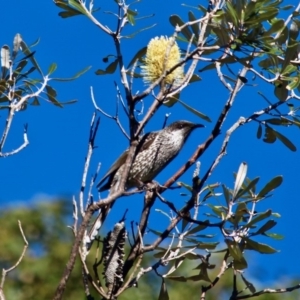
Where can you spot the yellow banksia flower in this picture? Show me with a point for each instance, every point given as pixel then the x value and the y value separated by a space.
pixel 156 61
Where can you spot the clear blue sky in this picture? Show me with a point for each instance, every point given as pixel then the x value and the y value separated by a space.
pixel 52 164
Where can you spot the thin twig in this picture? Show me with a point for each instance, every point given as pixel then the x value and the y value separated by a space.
pixel 6 271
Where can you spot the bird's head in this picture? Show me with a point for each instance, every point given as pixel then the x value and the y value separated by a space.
pixel 183 128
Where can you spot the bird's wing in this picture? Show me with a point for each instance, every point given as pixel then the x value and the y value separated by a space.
pixel 112 170
pixel 145 142
pixel 143 145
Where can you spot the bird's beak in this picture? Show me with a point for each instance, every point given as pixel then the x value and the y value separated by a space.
pixel 198 126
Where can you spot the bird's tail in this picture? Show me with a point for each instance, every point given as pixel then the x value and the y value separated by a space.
pixel 94 230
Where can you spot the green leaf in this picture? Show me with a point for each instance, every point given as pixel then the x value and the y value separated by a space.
pixel 278 121
pixel 226 194
pixel 130 16
pixel 232 13
pixel 198 228
pixel 52 68
pixel 274 236
pixel 209 246
pixel 248 284
pixel 282 37
pixel 285 141
pixel 184 224
pixel 294 83
pixel 270 136
pixel 259 247
pixel 163 294
pixel 188 187
pixel 239 261
pixel 77 6
pixel 170 101
pixel 249 187
pixel 137 56
pixel 194 111
pixel 111 68
pixel 27 52
pixel 258 218
pixel 270 186
pixel 259 131
pixel 281 92
pixel 177 278
pixel 195 78
pixel 69 12
pixel 241 211
pixel 195 27
pixel 176 21
pixel 51 93
pixel 78 74
pixel 277 26
pixel 267 226
pixel 129 36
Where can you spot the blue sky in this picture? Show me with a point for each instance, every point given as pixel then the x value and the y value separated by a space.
pixel 53 162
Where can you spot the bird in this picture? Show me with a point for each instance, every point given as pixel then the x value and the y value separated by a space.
pixel 155 150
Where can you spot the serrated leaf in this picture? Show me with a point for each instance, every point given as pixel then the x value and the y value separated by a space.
pixel 259 247
pixel 285 141
pixel 240 177
pixel 194 111
pixel 78 74
pixel 270 186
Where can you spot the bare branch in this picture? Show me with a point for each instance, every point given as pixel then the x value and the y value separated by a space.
pixel 6 271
